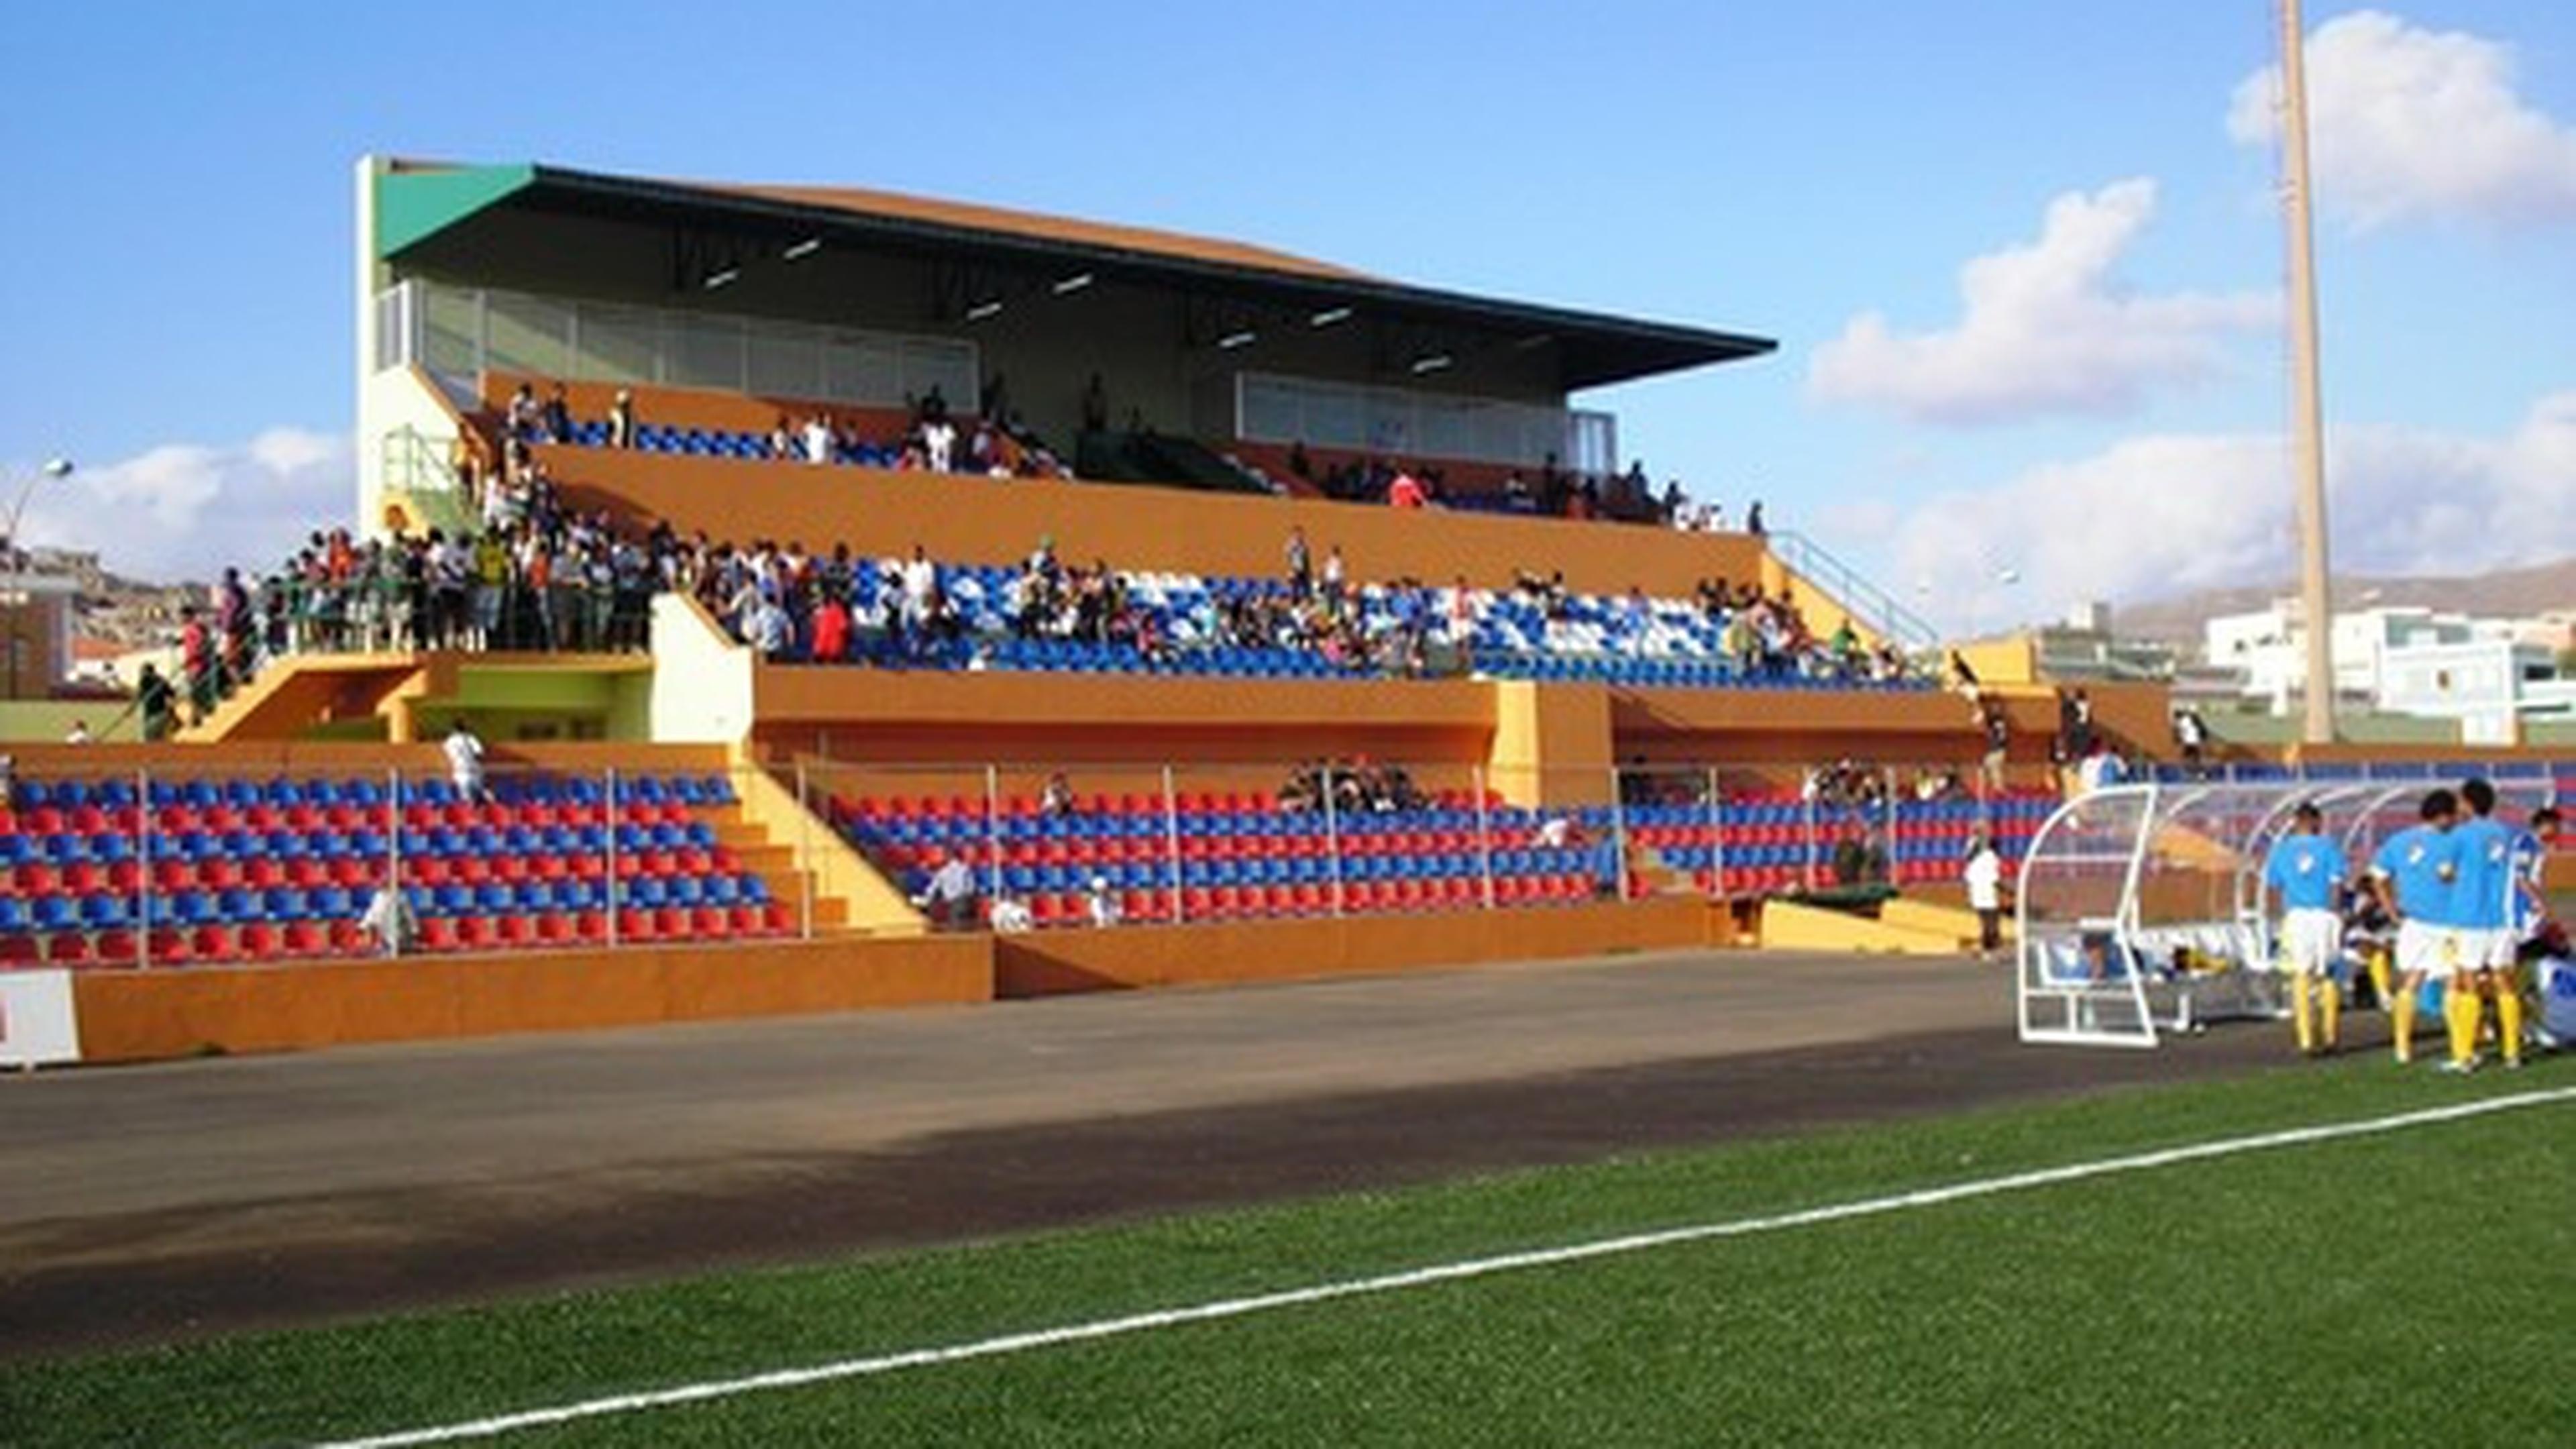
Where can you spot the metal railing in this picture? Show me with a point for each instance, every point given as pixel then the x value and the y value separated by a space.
pixel 1868 602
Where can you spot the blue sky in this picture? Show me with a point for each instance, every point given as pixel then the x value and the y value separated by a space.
pixel 175 280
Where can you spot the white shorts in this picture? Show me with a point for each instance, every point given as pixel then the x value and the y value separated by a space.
pixel 2488 946
pixel 2425 949
pixel 2311 939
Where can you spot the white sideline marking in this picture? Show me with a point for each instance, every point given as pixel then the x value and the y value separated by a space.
pixel 1437 1273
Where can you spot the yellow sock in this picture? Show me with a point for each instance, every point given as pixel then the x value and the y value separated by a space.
pixel 2330 1007
pixel 2303 990
pixel 2460 1015
pixel 2509 1019
pixel 2379 987
pixel 2403 1028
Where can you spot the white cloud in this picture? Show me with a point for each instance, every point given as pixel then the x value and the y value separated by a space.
pixel 183 510
pixel 2405 122
pixel 2166 513
pixel 2045 329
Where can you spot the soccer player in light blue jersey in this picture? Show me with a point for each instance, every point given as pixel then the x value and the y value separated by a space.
pixel 2482 900
pixel 2305 869
pixel 2412 872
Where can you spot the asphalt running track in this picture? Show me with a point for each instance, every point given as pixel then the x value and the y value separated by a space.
pixel 167 1202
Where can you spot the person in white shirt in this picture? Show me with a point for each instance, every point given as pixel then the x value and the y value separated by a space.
pixel 920 581
pixel 79 734
pixel 939 441
pixel 388 921
pixel 1100 904
pixel 818 440
pixel 1010 916
pixel 1984 878
pixel 949 895
pixel 465 762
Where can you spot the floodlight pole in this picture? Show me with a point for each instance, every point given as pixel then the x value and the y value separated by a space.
pixel 2307 411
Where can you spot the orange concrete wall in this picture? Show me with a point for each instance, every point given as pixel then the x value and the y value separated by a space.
pixel 1008 717
pixel 983 521
pixel 1055 962
pixel 150 1015
pixel 261 758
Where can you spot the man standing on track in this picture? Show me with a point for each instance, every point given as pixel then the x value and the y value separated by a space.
pixel 2413 872
pixel 2306 868
pixel 2482 906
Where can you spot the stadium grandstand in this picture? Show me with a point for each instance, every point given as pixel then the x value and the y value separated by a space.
pixel 764 599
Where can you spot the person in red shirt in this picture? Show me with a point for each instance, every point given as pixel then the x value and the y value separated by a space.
pixel 831 631
pixel 1406 491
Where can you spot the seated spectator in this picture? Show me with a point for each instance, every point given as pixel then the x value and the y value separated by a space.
pixel 1010 915
pixel 79 734
pixel 388 924
pixel 1057 799
pixel 1100 904
pixel 1406 491
pixel 949 895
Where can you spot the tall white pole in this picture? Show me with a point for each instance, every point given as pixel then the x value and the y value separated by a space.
pixel 2307 411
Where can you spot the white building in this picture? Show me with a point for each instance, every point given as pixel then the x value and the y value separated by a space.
pixel 2486 673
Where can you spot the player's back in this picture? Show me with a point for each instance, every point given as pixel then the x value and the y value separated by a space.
pixel 2482 888
pixel 2421 863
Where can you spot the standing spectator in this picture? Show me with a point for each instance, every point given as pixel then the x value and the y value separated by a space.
pixel 831 630
pixel 1753 518
pixel 818 439
pixel 1997 728
pixel 1984 878
pixel 1406 491
pixel 157 702
pixel 465 761
pixel 1301 563
pixel 621 420
pixel 1095 406
pixel 558 417
pixel 2192 733
pixel 1335 572
pixel 524 417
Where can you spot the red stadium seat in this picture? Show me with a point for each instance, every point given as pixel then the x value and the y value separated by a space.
pixel 554 928
pixel 117 948
pixel 169 947
pixel 68 948
pixel 260 941
pixel 515 931
pixel 635 924
pixel 439 933
pixel 305 938
pixel 214 943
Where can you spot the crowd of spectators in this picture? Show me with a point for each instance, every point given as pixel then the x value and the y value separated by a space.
pixel 996 444
pixel 1353 787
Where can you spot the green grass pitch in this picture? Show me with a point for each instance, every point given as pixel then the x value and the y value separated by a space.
pixel 2408 1288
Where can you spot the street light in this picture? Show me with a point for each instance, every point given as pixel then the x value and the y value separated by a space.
pixel 53 468
pixel 16 597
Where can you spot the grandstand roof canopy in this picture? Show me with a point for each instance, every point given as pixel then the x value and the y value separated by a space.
pixel 429 206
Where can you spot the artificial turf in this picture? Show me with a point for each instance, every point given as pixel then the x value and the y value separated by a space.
pixel 2407 1288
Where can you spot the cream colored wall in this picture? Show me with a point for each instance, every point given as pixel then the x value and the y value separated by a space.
pixel 701 678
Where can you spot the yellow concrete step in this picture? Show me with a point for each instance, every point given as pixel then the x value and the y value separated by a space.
pixel 1786 925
